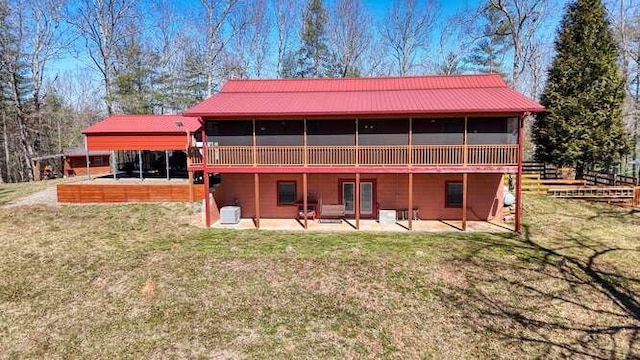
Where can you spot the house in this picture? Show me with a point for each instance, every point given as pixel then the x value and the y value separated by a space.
pixel 427 147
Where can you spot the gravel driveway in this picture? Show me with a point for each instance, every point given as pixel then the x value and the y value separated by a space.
pixel 48 196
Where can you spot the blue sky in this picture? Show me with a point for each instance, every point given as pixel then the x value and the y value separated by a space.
pixel 377 9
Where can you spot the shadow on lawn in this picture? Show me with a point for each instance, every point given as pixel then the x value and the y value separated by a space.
pixel 564 301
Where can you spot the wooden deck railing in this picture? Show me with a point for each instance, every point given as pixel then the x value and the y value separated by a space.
pixel 369 155
pixel 492 154
pixel 438 154
pixel 331 155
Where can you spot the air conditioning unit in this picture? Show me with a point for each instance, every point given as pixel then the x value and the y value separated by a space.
pixel 230 215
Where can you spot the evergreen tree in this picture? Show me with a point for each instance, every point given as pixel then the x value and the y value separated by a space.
pixel 487 55
pixel 314 59
pixel 135 77
pixel 583 97
pixel 195 77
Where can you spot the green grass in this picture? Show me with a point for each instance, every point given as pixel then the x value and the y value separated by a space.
pixel 141 281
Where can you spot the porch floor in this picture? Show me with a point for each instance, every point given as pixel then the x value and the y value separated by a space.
pixel 368 225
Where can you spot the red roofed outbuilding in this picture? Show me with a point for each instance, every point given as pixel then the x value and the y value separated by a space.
pixel 141 132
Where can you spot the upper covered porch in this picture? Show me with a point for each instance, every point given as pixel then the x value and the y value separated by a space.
pixel 373 142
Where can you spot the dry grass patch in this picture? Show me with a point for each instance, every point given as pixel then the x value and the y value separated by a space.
pixel 141 281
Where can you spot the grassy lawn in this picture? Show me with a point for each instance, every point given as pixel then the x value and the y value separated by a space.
pixel 140 281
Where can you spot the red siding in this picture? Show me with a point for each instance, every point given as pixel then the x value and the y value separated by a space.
pixel 485 193
pixel 137 142
pixel 76 165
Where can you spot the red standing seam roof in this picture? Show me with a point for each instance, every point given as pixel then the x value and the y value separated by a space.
pixel 453 94
pixel 144 124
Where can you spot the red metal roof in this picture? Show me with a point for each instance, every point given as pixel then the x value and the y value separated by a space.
pixel 456 94
pixel 144 124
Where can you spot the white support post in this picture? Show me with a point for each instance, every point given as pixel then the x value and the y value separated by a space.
pixel 166 160
pixel 140 163
pixel 86 153
pixel 114 164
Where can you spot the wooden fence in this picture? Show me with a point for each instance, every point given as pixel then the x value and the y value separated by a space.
pixel 113 193
pixel 596 178
pixel 546 171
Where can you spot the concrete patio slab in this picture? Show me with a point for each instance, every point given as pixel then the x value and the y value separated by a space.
pixel 348 225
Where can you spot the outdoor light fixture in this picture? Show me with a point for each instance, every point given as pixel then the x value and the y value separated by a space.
pixel 178 123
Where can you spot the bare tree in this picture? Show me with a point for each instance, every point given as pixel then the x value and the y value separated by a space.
pixel 520 20
pixel 406 29
pixel 168 41
pixel 14 73
pixel 287 16
pixel 455 41
pixel 102 25
pixel 249 48
pixel 216 16
pixel 349 33
pixel 72 104
pixel 30 38
pixel 626 17
pixel 46 41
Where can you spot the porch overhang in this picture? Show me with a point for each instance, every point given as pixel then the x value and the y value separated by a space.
pixel 479 169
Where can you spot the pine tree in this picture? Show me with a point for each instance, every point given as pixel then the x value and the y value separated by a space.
pixel 487 55
pixel 583 97
pixel 134 79
pixel 314 59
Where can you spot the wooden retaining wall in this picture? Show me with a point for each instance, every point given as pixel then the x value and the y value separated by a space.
pixel 113 193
